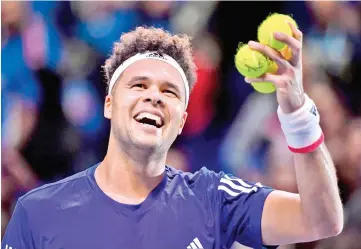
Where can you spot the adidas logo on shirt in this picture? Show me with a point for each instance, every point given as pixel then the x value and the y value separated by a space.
pixel 195 244
pixel 9 247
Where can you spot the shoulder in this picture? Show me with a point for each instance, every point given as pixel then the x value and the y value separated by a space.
pixel 201 182
pixel 220 180
pixel 225 185
pixel 203 175
pixel 55 195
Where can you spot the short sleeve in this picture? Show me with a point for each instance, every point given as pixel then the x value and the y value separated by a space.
pixel 18 234
pixel 241 205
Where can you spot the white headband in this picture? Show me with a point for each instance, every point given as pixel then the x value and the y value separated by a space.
pixel 149 55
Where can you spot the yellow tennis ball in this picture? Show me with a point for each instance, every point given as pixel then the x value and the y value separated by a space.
pixel 274 23
pixel 251 63
pixel 266 87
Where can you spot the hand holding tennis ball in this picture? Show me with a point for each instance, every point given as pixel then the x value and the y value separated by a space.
pixel 288 79
pixel 253 64
pixel 286 74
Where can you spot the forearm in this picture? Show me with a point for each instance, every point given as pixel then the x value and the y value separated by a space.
pixel 318 189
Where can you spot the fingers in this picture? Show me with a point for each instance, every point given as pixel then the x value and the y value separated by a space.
pixel 294 42
pixel 296 32
pixel 280 81
pixel 271 53
pixel 268 77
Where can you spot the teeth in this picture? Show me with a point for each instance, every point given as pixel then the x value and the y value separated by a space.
pixel 149 116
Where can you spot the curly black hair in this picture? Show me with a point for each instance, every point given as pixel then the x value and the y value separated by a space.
pixel 144 39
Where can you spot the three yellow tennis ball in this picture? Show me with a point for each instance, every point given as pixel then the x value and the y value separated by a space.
pixel 253 64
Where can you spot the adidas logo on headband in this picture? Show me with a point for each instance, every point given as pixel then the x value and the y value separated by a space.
pixel 155 55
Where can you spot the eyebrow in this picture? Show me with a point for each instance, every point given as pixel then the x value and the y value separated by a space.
pixel 138 78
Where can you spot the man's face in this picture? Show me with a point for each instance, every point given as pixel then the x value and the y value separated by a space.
pixel 147 105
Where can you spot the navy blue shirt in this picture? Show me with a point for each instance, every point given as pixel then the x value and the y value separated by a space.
pixel 186 210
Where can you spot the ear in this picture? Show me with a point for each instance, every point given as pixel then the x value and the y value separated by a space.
pixel 108 107
pixel 184 118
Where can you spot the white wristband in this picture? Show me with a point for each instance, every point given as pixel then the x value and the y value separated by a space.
pixel 301 128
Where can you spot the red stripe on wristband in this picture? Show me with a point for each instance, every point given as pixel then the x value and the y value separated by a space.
pixel 309 148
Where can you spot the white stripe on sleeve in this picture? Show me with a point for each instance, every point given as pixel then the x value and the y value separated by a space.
pixel 243 183
pixel 230 192
pixel 239 188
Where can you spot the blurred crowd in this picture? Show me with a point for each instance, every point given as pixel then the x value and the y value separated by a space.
pixel 53 89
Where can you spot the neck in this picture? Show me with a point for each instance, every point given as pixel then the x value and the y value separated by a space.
pixel 127 174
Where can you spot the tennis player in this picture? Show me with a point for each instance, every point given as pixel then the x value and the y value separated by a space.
pixel 133 200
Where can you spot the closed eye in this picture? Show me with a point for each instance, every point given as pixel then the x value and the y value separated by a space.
pixel 171 92
pixel 139 86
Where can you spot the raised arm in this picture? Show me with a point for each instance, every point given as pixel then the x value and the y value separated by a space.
pixel 316 212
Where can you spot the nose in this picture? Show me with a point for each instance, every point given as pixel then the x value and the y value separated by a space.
pixel 154 96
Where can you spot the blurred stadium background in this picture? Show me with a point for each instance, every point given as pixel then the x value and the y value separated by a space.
pixel 53 89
